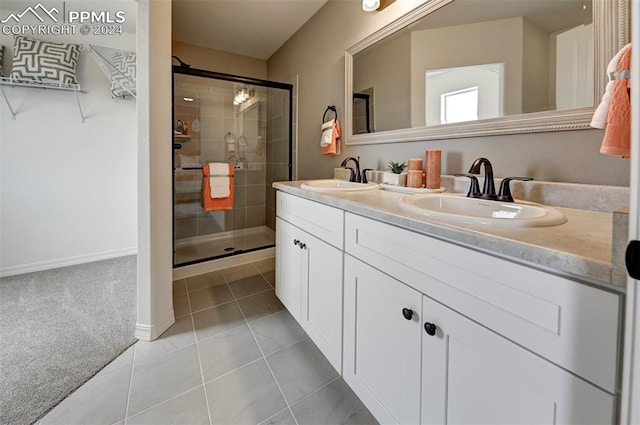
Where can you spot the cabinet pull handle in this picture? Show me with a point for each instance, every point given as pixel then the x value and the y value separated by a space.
pixel 430 328
pixel 296 241
pixel 407 313
pixel 303 245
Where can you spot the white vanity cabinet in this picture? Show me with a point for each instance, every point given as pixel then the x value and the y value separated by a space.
pixel 309 260
pixel 471 375
pixel 382 343
pixel 510 344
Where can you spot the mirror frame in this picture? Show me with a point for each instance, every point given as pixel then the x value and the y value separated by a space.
pixel 611 33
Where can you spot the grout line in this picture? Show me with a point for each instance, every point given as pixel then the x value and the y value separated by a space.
pixel 316 390
pixel 273 416
pixel 262 291
pixel 234 370
pixel 265 278
pixel 264 357
pixel 287 346
pixel 210 307
pixel 269 366
pixel 161 355
pixel 221 333
pixel 162 402
pixel 195 337
pixel 206 287
pixel 133 364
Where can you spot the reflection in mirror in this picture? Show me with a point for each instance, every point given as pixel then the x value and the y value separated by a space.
pixel 363 112
pixel 455 68
pixel 464 93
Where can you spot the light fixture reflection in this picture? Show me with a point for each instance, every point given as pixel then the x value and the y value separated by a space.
pixel 243 95
pixel 370 5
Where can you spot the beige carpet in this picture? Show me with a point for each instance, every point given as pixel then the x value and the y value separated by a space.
pixel 59 328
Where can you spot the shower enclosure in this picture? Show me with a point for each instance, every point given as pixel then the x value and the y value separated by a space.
pixel 224 119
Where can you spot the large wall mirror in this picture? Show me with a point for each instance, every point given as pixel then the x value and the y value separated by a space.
pixel 460 68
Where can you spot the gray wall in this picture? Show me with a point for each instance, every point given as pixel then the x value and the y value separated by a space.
pixel 316 55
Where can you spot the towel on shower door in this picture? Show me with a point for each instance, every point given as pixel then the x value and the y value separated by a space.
pixel 217 180
pixel 617 133
pixel 334 147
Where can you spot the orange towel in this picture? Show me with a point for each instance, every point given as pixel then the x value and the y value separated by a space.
pixel 217 204
pixel 617 133
pixel 334 147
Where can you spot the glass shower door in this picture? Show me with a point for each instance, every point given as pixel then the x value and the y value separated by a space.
pixel 220 121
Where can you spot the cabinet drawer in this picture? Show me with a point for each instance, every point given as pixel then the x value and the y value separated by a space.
pixel 569 323
pixel 322 221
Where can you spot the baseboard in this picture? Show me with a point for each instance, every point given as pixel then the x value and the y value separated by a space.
pixel 223 263
pixel 143 332
pixel 64 262
pixel 151 332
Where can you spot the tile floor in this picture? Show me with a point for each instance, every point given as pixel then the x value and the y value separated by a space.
pixel 234 356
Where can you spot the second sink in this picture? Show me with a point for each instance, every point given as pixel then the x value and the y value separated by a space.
pixel 459 208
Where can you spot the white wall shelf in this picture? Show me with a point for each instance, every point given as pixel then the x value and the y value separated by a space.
pixel 9 82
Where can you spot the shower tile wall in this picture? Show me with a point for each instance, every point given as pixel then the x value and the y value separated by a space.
pixel 215 116
pixel 277 148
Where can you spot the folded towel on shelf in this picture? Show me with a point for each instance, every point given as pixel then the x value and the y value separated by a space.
pixel 334 147
pixel 327 133
pixel 217 181
pixel 599 119
pixel 617 132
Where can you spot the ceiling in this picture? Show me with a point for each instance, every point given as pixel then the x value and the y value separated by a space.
pixel 254 28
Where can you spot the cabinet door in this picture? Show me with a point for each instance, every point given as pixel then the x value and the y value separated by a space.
pixel 322 297
pixel 288 267
pixel 471 375
pixel 381 345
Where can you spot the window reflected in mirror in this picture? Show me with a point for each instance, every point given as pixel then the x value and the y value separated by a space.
pixel 524 56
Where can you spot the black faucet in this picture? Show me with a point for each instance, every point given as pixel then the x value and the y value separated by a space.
pixel 504 194
pixel 474 187
pixel 364 175
pixel 355 175
pixel 488 189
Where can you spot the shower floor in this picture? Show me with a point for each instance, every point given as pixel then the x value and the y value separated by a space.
pixel 219 244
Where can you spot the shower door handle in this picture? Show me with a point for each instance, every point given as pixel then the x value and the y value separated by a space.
pixel 177 146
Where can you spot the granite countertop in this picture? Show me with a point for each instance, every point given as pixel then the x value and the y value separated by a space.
pixel 578 249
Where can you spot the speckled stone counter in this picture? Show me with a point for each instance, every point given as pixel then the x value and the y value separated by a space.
pixel 579 249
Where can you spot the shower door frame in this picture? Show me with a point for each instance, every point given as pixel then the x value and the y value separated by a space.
pixel 187 70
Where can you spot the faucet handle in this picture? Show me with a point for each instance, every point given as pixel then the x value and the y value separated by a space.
pixel 364 175
pixel 352 174
pixel 474 188
pixel 504 193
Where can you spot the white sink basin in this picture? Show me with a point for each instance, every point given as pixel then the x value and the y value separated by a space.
pixel 330 185
pixel 457 207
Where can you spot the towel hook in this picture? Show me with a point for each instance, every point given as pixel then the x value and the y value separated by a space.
pixel 330 108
